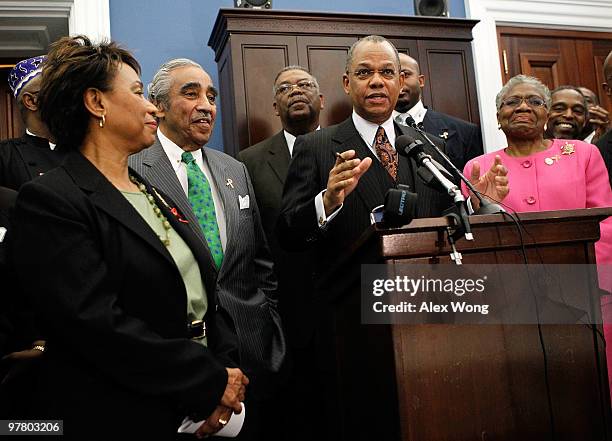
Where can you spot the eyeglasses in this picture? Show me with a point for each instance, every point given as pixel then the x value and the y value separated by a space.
pixel 286 88
pixel 515 101
pixel 365 74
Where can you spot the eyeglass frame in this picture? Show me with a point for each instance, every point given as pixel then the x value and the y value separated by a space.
pixel 525 100
pixel 371 72
pixel 303 85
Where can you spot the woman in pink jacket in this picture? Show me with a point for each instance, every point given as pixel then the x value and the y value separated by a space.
pixel 550 174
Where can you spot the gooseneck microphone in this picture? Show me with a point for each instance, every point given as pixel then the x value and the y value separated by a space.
pixel 413 148
pixel 486 207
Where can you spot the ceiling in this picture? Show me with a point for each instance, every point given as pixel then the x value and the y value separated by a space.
pixel 27 27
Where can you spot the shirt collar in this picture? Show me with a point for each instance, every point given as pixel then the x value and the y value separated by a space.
pixel 291 140
pixel 368 129
pixel 51 145
pixel 174 152
pixel 417 112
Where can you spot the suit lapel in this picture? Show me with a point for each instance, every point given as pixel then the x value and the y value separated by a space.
pixel 106 197
pixel 437 126
pixel 278 156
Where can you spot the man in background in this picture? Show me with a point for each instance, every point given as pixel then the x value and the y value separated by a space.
pixel 298 103
pixel 23 159
pixel 605 142
pixel 463 139
pixel 598 119
pixel 568 113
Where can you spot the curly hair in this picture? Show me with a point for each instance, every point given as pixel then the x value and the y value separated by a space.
pixel 75 64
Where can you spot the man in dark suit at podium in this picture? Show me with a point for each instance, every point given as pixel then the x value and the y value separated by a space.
pixel 463 139
pixel 340 173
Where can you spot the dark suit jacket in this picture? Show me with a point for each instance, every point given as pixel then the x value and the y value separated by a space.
pixel 23 159
pixel 7 201
pixel 112 305
pixel 308 174
pixel 267 163
pixel 245 284
pixel 605 147
pixel 463 139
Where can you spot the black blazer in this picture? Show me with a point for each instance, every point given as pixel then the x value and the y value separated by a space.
pixel 267 163
pixel 23 159
pixel 605 147
pixel 112 305
pixel 313 158
pixel 463 139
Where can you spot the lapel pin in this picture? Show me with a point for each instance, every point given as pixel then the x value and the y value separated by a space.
pixel 229 183
pixel 567 149
pixel 444 134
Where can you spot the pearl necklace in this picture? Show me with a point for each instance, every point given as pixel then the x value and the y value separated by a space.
pixel 156 210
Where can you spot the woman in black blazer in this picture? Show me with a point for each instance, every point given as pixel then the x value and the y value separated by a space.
pixel 100 267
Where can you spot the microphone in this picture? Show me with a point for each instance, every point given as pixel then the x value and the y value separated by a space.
pixel 486 207
pixel 413 148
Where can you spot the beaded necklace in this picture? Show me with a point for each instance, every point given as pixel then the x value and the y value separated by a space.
pixel 156 210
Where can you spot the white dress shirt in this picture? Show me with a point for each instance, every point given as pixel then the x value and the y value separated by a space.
pixel 417 112
pixel 291 141
pixel 174 153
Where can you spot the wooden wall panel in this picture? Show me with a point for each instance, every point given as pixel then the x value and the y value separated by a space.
pixel 253 80
pixel 446 68
pixel 10 120
pixel 325 58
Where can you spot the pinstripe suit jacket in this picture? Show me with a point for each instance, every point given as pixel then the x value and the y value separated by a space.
pixel 313 158
pixel 245 286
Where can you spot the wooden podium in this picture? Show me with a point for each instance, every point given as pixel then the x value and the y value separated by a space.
pixel 471 382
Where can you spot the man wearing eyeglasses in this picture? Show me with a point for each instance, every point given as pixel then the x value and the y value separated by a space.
pixel 336 177
pixel 297 101
pixel 25 158
pixel 463 140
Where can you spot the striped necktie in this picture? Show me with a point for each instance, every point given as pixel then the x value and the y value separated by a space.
pixel 201 200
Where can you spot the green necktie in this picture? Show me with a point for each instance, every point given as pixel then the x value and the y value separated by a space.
pixel 201 200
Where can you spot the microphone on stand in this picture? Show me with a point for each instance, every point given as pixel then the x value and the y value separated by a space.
pixel 486 207
pixel 413 148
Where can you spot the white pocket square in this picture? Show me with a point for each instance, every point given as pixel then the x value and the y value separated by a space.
pixel 243 201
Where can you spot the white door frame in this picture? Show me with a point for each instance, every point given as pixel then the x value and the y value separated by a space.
pixel 583 15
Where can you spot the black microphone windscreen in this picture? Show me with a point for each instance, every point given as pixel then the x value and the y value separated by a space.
pixel 403 141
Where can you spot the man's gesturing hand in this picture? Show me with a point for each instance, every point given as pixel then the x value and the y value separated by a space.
pixel 343 179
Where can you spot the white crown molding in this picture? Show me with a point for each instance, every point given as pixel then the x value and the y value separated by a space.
pixel 585 15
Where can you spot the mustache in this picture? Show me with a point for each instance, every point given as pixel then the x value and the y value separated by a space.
pixel 206 116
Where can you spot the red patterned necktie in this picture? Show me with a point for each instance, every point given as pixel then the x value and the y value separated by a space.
pixel 386 153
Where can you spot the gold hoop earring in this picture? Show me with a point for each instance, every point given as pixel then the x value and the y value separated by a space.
pixel 102 121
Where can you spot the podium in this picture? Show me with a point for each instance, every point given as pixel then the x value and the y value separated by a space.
pixel 470 382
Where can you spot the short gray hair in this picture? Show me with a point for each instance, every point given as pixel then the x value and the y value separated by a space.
pixel 159 88
pixel 523 79
pixel 293 67
pixel 369 39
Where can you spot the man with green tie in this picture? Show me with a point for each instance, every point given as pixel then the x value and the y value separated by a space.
pixel 214 192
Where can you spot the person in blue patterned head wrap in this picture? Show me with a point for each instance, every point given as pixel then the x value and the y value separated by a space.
pixel 25 158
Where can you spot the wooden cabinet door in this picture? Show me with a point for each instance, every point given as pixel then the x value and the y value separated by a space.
pixel 556 58
pixel 449 83
pixel 325 58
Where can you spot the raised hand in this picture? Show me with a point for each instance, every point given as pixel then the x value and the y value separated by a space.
pixel 343 178
pixel 493 184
